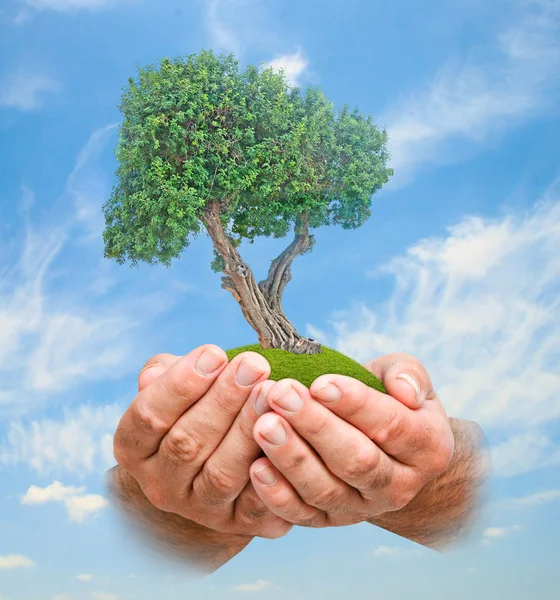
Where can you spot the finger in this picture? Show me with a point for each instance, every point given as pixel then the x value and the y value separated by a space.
pixel 280 497
pixel 226 472
pixel 156 366
pixel 250 513
pixel 347 452
pixel 301 466
pixel 199 431
pixel 404 378
pixel 400 432
pixel 157 408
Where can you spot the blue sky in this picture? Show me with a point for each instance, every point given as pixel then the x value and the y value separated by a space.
pixel 459 265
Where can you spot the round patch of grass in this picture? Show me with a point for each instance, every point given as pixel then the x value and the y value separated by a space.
pixel 306 368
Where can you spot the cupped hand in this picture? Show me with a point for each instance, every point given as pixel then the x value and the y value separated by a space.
pixel 187 439
pixel 341 452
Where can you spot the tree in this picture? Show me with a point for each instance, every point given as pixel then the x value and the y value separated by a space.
pixel 205 146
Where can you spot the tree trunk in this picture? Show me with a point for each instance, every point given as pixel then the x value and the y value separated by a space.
pixel 262 310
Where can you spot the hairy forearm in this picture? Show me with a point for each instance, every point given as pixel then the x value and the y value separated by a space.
pixel 446 509
pixel 202 548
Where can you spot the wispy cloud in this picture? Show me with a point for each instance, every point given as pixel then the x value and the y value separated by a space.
pixel 54 334
pixel 531 501
pixel 257 586
pixel 471 102
pixel 88 185
pixel 395 552
pixel 481 309
pixel 522 452
pixel 15 561
pixel 47 341
pixel 492 533
pixel 83 577
pixel 78 443
pixel 294 66
pixel 241 25
pixel 103 596
pixel 26 91
pixel 79 506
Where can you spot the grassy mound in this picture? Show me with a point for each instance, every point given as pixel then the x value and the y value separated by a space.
pixel 306 368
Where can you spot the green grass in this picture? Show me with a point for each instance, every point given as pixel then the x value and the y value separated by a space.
pixel 306 368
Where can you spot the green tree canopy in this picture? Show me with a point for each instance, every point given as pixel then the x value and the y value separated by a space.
pixel 199 131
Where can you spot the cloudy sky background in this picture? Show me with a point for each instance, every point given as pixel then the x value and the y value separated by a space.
pixel 458 265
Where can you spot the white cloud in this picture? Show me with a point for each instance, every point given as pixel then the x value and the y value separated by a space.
pixel 532 500
pixel 257 586
pixel 84 577
pixel 79 506
pixel 52 493
pixel 88 185
pixel 522 452
pixel 78 443
pixel 52 334
pixel 62 597
pixel 480 308
pixel 293 64
pixel 221 28
pixel 471 102
pixel 494 532
pixel 15 561
pixel 395 551
pixel 26 90
pixel 103 596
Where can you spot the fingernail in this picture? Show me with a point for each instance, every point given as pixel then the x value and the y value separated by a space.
pixel 276 434
pixel 208 362
pixel 328 393
pixel 413 383
pixel 266 476
pixel 261 403
pixel 151 367
pixel 288 399
pixel 247 374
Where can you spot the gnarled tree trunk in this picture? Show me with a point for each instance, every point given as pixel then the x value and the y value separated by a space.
pixel 261 303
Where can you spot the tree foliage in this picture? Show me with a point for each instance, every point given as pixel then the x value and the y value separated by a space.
pixel 199 129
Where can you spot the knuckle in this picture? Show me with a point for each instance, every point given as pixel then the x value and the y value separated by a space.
pixel 328 499
pixel 394 429
pixel 317 427
pixel 177 385
pixel 402 497
pixel 157 496
pixel 443 454
pixel 246 430
pixel 183 446
pixel 219 480
pixel 362 465
pixel 357 401
pixel 296 462
pixel 378 481
pixel 122 457
pixel 149 422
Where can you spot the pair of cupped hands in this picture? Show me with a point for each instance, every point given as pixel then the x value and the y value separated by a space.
pixel 221 445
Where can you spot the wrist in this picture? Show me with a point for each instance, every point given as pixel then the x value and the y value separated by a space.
pixel 203 548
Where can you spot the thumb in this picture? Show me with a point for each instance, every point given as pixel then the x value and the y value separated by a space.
pixel 404 378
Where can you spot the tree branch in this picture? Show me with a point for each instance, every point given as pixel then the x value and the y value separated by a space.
pixel 279 274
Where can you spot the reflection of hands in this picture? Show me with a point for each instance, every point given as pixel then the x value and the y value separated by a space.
pixel 342 452
pixel 187 439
